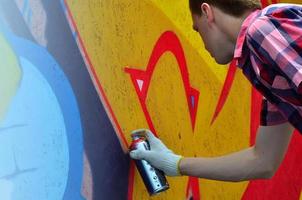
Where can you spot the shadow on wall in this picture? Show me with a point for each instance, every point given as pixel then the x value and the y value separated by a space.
pixel 106 166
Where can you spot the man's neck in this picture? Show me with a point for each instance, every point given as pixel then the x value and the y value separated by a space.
pixel 229 24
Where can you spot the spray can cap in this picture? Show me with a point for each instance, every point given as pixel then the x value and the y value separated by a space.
pixel 138 134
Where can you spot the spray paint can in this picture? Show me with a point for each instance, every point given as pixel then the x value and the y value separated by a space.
pixel 154 179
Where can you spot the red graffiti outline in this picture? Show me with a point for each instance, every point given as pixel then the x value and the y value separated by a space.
pixel 168 42
pixel 225 90
pixel 264 3
pixel 193 191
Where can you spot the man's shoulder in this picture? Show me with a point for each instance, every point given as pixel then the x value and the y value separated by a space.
pixel 269 19
pixel 279 8
pixel 260 27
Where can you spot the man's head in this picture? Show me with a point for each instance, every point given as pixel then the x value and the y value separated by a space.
pixel 233 7
pixel 218 23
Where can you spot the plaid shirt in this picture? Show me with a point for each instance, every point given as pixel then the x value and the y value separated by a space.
pixel 269 52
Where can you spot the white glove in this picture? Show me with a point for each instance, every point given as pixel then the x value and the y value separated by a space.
pixel 159 156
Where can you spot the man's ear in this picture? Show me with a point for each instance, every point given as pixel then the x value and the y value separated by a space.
pixel 207 11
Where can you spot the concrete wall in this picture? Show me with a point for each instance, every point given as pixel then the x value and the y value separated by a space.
pixel 78 75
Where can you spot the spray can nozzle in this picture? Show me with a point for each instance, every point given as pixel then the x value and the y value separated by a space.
pixel 138 134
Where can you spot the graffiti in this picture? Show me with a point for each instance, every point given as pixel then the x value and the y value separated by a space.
pixel 39 139
pixel 168 42
pixel 144 81
pixel 76 76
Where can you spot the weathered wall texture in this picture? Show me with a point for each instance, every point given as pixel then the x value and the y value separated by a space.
pixel 76 76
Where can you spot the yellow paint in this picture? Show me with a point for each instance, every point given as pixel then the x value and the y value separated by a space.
pixel 10 75
pixel 123 33
pixel 178 13
pixel 291 1
pixel 300 196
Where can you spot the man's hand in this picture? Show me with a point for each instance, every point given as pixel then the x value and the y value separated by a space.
pixel 159 156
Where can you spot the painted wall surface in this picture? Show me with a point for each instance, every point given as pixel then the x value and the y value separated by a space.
pixel 77 76
pixel 52 124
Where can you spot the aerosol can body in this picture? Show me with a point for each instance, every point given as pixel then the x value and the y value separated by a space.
pixel 154 179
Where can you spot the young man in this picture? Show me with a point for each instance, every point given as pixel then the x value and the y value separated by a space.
pixel 267 46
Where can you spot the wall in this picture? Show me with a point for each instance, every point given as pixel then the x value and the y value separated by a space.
pixel 83 74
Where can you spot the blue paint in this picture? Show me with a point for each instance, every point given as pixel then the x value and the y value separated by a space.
pixel 75 35
pixel 29 17
pixel 65 113
pixel 27 12
pixel 193 101
pixel 25 7
pixel 63 6
pixel 36 140
pixel 107 177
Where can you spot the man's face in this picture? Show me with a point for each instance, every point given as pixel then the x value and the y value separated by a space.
pixel 215 41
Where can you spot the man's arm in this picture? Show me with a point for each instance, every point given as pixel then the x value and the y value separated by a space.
pixel 258 162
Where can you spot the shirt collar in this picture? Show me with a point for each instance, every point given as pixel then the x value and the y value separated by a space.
pixel 242 34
